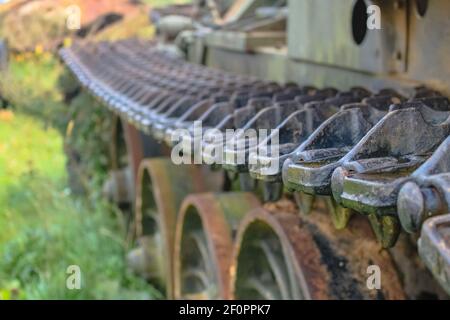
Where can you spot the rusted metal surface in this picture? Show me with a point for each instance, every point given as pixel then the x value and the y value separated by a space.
pixel 370 176
pixel 203 244
pixel 281 255
pixel 161 187
pixel 294 122
pixel 158 102
pixel 147 91
pixel 397 145
pixel 128 147
pixel 119 187
pixel 427 191
pixel 363 164
pixel 434 248
pixel 355 147
pixel 311 165
pixel 298 127
pixel 425 195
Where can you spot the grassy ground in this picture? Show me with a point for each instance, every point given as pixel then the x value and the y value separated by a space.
pixel 32 84
pixel 43 227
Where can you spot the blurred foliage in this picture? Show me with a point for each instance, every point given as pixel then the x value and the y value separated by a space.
pixel 19 157
pixel 87 142
pixel 45 26
pixel 136 24
pixel 37 84
pixel 43 229
pixel 31 85
pixel 41 24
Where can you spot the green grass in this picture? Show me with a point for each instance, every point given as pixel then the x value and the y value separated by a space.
pixel 32 84
pixel 27 151
pixel 43 229
pixel 36 85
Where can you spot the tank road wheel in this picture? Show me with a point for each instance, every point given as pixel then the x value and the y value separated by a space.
pixel 128 147
pixel 161 187
pixel 204 241
pixel 279 254
pixel 119 187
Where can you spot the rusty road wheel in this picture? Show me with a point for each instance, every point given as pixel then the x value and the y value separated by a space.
pixel 161 188
pixel 128 147
pixel 279 254
pixel 119 187
pixel 204 241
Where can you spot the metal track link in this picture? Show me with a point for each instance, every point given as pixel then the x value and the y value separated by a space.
pixel 382 154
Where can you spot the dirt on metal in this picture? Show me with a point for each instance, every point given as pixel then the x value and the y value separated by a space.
pixel 344 254
pixel 167 186
pixel 214 214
